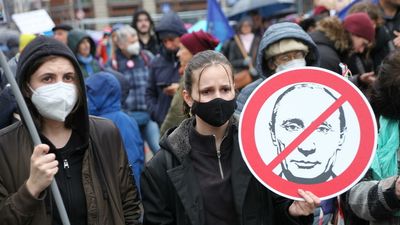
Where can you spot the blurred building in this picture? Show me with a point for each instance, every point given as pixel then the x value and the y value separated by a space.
pixel 60 10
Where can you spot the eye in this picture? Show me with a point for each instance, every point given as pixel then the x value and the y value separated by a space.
pixel 324 129
pixel 69 77
pixel 205 92
pixel 47 79
pixel 226 89
pixel 291 127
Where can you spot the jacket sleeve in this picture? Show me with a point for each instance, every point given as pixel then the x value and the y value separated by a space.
pixel 129 193
pixel 151 92
pixel 374 200
pixel 18 207
pixel 155 195
pixel 285 218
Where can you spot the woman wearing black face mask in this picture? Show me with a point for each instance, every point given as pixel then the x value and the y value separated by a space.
pixel 199 176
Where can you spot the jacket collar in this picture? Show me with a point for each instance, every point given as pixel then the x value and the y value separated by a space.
pixel 182 176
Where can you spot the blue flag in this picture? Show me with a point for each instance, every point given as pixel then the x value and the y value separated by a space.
pixel 217 23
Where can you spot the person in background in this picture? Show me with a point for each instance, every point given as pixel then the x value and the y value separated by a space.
pixel 8 105
pixel 336 40
pixel 277 51
pixel 133 63
pixel 85 51
pixel 242 51
pixel 191 44
pixel 376 199
pixel 199 175
pixel 85 154
pixel 285 46
pixel 104 94
pixel 105 46
pixel 144 25
pixel 164 69
pixel 391 14
pixel 60 32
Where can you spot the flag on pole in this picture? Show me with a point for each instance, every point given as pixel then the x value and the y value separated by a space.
pixel 217 23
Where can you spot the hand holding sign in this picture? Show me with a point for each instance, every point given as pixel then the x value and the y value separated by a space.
pixel 306 207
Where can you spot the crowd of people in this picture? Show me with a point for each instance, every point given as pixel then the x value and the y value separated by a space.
pixel 99 106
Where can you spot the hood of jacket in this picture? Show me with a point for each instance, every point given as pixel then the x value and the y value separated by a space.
pixel 41 47
pixel 171 23
pixel 104 93
pixel 74 39
pixel 334 35
pixel 281 31
pixel 176 140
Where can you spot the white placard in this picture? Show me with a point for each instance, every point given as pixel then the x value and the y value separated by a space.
pixel 33 22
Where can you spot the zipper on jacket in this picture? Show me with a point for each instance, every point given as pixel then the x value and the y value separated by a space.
pixel 219 156
pixel 219 163
pixel 66 168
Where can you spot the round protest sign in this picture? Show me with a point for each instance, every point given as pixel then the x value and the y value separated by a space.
pixel 310 129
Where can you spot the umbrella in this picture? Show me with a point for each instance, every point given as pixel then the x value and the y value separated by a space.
pixel 266 8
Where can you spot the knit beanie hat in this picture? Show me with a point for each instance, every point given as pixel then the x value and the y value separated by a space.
pixel 199 41
pixel 361 25
pixel 285 45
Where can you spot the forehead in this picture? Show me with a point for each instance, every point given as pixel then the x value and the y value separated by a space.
pixel 307 103
pixel 55 65
pixel 142 17
pixel 212 75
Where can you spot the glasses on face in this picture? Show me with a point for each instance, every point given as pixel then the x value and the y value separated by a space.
pixel 289 56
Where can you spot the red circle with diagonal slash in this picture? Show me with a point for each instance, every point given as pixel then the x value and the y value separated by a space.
pixel 264 173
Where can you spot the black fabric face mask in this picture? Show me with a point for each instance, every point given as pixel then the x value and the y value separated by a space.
pixel 215 112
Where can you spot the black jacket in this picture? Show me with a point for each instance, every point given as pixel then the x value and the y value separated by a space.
pixel 171 192
pixel 331 57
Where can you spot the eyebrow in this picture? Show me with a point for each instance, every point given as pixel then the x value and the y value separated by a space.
pixel 327 124
pixel 295 120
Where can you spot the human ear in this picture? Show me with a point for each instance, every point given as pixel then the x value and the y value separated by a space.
pixel 187 98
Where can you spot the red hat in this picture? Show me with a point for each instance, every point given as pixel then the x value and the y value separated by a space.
pixel 199 41
pixel 320 9
pixel 361 25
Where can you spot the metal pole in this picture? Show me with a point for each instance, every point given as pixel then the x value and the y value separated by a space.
pixel 33 132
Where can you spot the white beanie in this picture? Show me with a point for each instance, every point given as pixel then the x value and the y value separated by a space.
pixel 285 45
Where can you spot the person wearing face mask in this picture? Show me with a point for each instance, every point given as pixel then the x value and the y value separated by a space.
pixel 134 62
pixel 85 51
pixel 85 154
pixel 283 46
pixel 164 70
pixel 199 176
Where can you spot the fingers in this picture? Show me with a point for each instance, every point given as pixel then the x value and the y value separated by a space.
pixel 309 197
pixel 40 150
pixel 396 33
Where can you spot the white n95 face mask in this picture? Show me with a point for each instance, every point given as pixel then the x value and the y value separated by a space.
pixel 133 49
pixel 55 101
pixel 295 63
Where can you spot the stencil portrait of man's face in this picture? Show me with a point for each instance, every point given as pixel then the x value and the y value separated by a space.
pixel 312 161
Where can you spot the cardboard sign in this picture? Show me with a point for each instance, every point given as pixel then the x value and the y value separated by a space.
pixel 33 22
pixel 307 129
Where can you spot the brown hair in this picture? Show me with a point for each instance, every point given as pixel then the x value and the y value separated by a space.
pixel 372 10
pixel 199 63
pixel 386 95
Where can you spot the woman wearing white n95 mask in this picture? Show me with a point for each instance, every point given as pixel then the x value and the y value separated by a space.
pixel 74 150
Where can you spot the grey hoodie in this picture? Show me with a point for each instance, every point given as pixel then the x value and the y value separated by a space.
pixel 272 35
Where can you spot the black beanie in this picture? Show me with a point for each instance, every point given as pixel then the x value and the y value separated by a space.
pixel 40 47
